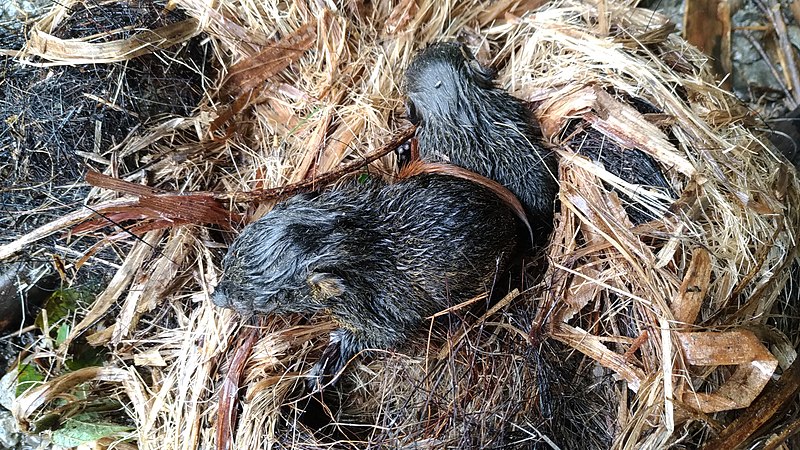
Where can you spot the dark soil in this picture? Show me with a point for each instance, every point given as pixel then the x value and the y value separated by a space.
pixel 59 120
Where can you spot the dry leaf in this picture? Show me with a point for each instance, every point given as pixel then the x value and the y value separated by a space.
pixel 77 51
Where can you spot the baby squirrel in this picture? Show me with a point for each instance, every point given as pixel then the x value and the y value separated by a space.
pixel 464 119
pixel 378 258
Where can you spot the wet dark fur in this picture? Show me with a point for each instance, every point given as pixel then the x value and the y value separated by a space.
pixel 785 135
pixel 379 258
pixel 465 120
pixel 631 165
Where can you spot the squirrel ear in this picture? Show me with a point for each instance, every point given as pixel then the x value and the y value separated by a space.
pixel 324 285
pixel 482 75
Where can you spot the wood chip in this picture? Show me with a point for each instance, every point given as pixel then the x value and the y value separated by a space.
pixel 686 305
pixel 730 348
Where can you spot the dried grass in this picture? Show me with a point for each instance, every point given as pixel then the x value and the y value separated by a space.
pixel 303 87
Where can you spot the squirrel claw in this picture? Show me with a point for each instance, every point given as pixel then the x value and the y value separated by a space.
pixel 331 363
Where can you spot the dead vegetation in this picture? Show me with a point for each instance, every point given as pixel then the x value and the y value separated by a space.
pixel 635 337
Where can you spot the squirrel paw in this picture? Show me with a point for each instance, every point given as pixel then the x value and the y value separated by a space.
pixel 332 362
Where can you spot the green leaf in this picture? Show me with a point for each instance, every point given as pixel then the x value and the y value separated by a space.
pixel 363 178
pixel 58 305
pixel 63 332
pixel 85 428
pixel 81 355
pixel 46 422
pixel 28 377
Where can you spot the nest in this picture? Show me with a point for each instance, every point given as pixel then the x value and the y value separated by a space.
pixel 644 336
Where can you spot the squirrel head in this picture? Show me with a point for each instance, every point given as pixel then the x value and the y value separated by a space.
pixel 279 264
pixel 440 78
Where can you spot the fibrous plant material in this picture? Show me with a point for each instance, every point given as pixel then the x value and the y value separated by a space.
pixel 59 118
pixel 622 342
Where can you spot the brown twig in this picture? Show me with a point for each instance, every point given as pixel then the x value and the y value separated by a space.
pixel 757 46
pixel 786 54
pixel 226 413
pixel 184 205
pixel 260 195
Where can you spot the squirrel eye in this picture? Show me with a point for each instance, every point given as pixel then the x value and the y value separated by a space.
pixel 411 112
